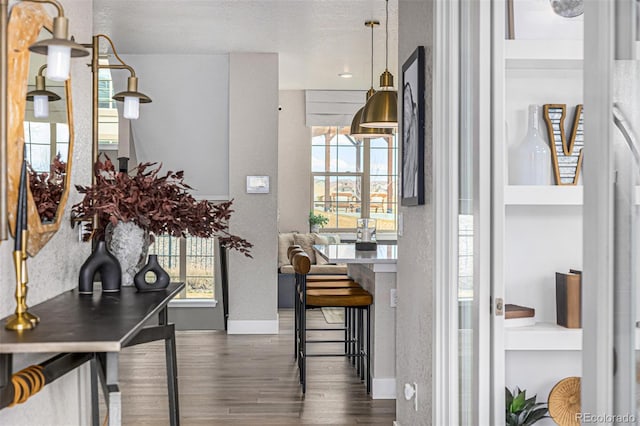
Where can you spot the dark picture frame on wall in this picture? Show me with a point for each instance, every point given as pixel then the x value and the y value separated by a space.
pixel 412 192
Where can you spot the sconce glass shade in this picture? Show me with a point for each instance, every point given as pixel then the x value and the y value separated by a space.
pixel 59 50
pixel 131 93
pixel 41 98
pixel 381 110
pixel 131 108
pixel 58 63
pixel 40 106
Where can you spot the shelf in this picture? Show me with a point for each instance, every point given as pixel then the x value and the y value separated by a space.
pixel 542 337
pixel 543 54
pixel 543 195
pixel 548 195
pixel 546 336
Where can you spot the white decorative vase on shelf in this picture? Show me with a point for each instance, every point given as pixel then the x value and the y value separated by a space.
pixel 530 161
pixel 129 244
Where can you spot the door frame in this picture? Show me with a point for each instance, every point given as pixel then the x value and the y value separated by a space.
pixel 450 95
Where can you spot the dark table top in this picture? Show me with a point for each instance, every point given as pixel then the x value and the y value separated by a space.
pixel 102 322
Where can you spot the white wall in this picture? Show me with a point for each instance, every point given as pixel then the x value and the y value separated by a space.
pixel 55 268
pixel 414 316
pixel 253 150
pixel 186 125
pixel 294 163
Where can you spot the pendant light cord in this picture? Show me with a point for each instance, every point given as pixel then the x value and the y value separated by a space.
pixel 372 25
pixel 386 43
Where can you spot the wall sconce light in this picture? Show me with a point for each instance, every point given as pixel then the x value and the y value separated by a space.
pixel 41 96
pixel 59 48
pixel 381 110
pixel 131 97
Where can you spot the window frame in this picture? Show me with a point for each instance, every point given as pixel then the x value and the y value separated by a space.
pixel 365 181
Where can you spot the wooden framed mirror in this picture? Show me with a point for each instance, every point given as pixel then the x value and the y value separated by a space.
pixel 46 141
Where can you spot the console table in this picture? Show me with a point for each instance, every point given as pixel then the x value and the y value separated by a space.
pixel 96 328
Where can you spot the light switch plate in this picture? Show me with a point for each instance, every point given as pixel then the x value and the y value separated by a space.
pixel 257 184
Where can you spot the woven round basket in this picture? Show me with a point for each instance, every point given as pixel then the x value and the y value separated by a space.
pixel 564 402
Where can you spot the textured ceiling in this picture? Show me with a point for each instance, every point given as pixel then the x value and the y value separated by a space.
pixel 315 39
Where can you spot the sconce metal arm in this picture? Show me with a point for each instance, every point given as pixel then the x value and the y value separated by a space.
pixel 96 65
pixel 53 2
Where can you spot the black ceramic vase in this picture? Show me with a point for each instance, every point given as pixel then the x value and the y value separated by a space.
pixel 161 277
pixel 104 262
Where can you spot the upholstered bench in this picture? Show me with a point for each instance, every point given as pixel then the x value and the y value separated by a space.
pixel 286 288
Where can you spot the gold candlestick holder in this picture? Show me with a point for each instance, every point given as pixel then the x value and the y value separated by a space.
pixel 22 319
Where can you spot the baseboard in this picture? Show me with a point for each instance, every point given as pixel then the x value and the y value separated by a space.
pixel 383 388
pixel 252 327
pixel 395 423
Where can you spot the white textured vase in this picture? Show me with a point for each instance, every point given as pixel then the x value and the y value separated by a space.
pixel 129 244
pixel 530 161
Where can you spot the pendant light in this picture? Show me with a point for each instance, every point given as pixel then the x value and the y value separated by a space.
pixel 41 96
pixel 382 109
pixel 357 131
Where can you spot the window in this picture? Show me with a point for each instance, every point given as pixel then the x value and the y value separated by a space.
pixel 43 142
pixel 353 179
pixel 189 260
pixel 107 111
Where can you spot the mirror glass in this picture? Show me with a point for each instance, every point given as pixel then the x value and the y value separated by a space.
pixel 46 138
pixel 40 138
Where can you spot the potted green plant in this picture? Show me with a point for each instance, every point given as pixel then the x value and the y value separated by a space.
pixel 317 221
pixel 521 411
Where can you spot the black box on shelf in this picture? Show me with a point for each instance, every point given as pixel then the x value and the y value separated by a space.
pixel 569 299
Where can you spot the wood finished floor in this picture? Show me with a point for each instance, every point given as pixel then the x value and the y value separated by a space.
pixel 245 380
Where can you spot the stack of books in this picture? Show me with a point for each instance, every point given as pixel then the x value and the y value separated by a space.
pixel 519 316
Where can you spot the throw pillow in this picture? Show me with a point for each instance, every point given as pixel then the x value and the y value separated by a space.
pixel 306 241
pixel 285 240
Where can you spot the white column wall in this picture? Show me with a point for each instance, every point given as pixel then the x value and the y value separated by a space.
pixel 253 151
pixel 414 312
pixel 294 163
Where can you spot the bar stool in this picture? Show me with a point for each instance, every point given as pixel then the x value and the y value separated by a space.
pixel 325 282
pixel 356 298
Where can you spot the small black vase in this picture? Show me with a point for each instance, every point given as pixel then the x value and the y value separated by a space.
pixel 162 278
pixel 104 262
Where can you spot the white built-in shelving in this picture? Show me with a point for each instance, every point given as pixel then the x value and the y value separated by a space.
pixel 545 336
pixel 543 54
pixel 553 195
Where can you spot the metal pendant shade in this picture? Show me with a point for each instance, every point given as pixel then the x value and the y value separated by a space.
pixel 381 110
pixel 358 131
pixel 41 90
pixel 132 91
pixel 60 38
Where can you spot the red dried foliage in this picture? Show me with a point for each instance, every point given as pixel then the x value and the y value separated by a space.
pixel 158 203
pixel 47 189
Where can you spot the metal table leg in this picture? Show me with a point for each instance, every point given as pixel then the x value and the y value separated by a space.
pixel 172 370
pixel 95 414
pixel 113 395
